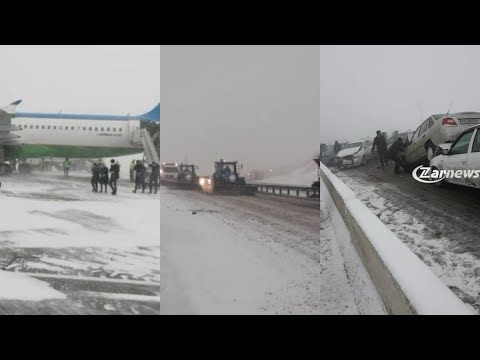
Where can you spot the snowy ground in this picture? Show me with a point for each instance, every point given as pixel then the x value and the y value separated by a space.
pixel 250 255
pixel 239 255
pixel 66 250
pixel 439 225
pixel 339 293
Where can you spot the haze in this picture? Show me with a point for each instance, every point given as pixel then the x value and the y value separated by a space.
pixel 255 104
pixel 366 88
pixel 92 79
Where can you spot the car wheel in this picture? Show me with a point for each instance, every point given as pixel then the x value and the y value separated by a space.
pixel 430 149
pixel 440 184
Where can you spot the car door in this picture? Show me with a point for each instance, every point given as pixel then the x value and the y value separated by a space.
pixel 419 142
pixel 409 152
pixel 473 159
pixel 368 149
pixel 457 156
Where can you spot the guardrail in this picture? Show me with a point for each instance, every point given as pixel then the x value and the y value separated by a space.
pixel 288 190
pixel 405 284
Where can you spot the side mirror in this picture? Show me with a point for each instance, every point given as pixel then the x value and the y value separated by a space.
pixel 445 151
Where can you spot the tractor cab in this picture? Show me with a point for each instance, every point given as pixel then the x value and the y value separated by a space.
pixel 187 173
pixel 226 179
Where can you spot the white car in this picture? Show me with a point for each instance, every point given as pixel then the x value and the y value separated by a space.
pixel 437 129
pixel 462 154
pixel 355 153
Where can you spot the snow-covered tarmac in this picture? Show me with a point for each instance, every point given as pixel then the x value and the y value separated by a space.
pixel 64 249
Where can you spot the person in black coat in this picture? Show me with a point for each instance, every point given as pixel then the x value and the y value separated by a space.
pixel 392 153
pixel 154 176
pixel 381 144
pixel 95 177
pixel 114 175
pixel 337 147
pixel 140 171
pixel 103 178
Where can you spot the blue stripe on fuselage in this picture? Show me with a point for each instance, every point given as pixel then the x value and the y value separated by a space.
pixel 78 117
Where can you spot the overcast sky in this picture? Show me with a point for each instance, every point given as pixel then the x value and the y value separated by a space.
pixel 96 79
pixel 255 104
pixel 366 88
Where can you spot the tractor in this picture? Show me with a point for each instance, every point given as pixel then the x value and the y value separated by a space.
pixel 226 179
pixel 187 177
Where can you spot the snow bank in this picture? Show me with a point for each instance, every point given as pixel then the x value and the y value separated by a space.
pixel 405 283
pixel 21 287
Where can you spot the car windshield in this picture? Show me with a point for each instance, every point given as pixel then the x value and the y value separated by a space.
pixel 353 145
pixel 170 169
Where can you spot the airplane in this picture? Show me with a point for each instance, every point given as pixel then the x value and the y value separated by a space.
pixel 38 135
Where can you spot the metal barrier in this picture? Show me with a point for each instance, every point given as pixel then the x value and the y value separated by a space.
pixel 288 190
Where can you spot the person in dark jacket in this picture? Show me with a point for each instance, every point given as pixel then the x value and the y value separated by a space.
pixel 104 178
pixel 114 175
pixel 392 153
pixel 154 176
pixel 140 171
pixel 337 147
pixel 381 144
pixel 95 177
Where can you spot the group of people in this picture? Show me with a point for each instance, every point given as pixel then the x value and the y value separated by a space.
pixel 391 153
pixel 104 176
pixel 138 174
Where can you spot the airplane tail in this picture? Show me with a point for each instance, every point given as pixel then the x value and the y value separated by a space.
pixel 10 109
pixel 153 115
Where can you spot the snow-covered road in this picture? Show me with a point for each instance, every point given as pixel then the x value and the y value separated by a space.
pixel 248 255
pixel 438 225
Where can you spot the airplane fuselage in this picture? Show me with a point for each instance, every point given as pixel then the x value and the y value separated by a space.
pixel 57 136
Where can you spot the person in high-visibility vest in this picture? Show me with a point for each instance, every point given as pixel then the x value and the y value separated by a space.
pixel 66 167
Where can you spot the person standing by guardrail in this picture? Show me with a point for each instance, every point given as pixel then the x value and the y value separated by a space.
pixel 381 144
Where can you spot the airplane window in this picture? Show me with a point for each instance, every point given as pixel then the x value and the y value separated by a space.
pixel 120 129
pixel 84 128
pixel 37 127
pixel 108 129
pixel 90 129
pixel 114 129
pixel 43 127
pixel 54 128
pixel 48 127
pixel 31 126
pixel 72 127
pixel 96 129
pixel 60 127
pixel 101 129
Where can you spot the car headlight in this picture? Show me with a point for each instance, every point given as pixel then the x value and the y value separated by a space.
pixel 202 182
pixel 356 156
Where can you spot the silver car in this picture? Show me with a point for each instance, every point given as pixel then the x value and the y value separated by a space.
pixel 435 130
